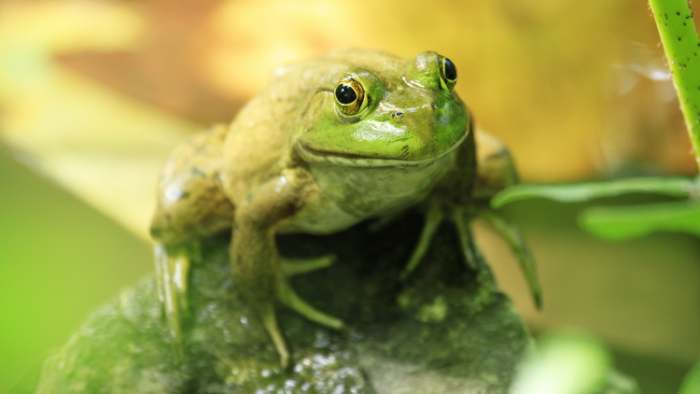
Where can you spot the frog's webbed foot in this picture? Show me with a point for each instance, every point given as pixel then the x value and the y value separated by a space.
pixel 289 297
pixel 285 294
pixel 461 217
pixel 172 271
pixel 510 233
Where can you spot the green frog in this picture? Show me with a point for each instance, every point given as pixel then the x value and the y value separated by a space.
pixel 351 136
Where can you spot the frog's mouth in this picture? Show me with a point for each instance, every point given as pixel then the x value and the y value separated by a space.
pixel 311 154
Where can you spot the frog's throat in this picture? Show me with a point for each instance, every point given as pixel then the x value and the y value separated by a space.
pixel 314 155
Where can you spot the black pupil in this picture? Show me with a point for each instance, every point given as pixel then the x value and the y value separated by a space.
pixel 450 70
pixel 345 94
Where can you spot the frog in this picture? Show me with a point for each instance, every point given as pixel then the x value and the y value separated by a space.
pixel 351 136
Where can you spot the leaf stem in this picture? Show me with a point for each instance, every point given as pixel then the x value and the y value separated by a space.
pixel 674 19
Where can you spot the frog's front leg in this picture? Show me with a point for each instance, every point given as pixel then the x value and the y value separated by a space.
pixel 257 266
pixel 495 171
pixel 438 211
pixel 461 217
pixel 172 266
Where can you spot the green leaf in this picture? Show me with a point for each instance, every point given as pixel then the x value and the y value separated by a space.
pixel 569 364
pixel 674 20
pixel 577 192
pixel 635 221
pixel 691 383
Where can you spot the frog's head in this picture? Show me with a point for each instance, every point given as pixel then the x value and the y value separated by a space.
pixel 385 111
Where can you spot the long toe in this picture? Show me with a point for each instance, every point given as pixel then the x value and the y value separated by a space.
pixel 289 297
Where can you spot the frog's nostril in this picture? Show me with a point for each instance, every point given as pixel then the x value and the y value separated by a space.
pixel 397 115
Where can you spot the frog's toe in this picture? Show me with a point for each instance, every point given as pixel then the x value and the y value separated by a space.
pixel 291 267
pixel 433 219
pixel 269 319
pixel 171 279
pixel 291 299
pixel 511 234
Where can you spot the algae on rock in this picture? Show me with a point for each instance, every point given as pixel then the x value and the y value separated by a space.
pixel 441 331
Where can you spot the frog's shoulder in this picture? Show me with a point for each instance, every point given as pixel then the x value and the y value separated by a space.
pixel 190 201
pixel 496 168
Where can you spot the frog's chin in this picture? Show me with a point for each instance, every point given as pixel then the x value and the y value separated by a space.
pixel 315 155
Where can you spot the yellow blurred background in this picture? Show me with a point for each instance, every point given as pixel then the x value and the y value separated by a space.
pixel 94 94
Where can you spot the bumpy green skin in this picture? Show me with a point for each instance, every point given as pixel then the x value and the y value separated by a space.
pixel 439 332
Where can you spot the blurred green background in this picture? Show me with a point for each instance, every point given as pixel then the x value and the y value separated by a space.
pixel 59 260
pixel 94 94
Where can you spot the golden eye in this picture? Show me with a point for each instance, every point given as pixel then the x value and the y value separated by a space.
pixel 350 96
pixel 448 71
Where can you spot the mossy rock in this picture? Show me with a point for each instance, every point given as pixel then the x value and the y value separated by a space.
pixel 441 331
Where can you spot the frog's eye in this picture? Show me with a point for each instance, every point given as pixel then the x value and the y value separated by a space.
pixel 350 96
pixel 448 72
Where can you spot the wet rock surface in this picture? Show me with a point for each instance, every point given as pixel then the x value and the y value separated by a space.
pixel 440 331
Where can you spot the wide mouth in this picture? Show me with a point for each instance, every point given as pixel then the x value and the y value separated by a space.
pixel 312 154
